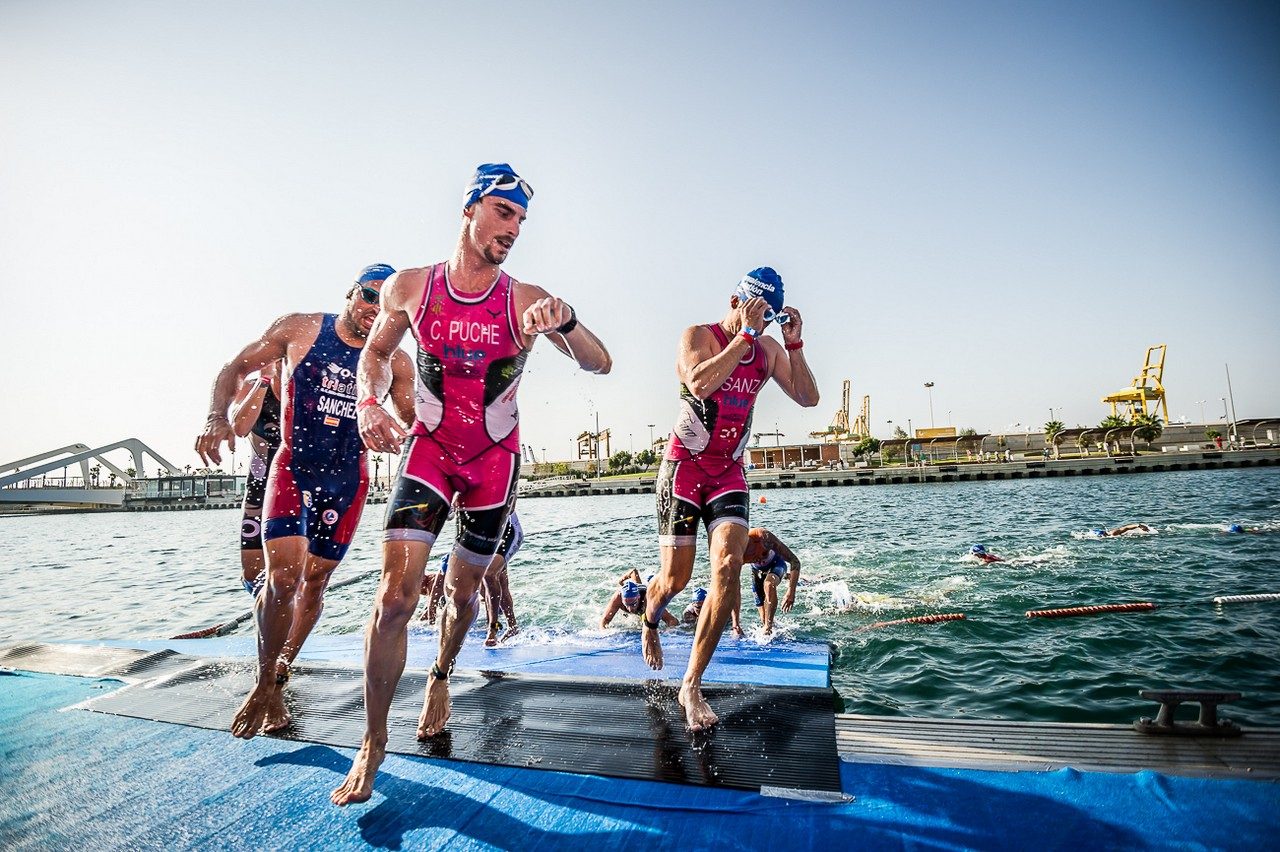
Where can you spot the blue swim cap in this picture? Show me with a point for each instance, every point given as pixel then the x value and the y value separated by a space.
pixel 497 179
pixel 444 563
pixel 1235 528
pixel 630 591
pixel 1099 532
pixel 763 282
pixel 376 272
pixel 699 595
pixel 978 548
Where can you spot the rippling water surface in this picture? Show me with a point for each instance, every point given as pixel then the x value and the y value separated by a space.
pixel 869 554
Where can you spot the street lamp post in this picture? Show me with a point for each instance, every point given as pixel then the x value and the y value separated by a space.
pixel 929 387
pixel 651 436
pixel 1201 402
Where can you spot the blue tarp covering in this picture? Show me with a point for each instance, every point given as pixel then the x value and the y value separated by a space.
pixel 85 779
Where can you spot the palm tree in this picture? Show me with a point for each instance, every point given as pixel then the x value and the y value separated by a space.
pixel 1148 427
pixel 1113 421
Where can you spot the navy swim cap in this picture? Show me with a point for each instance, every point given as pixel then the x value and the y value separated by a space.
pixel 699 595
pixel 1099 532
pixel 763 282
pixel 630 591
pixel 978 548
pixel 1235 528
pixel 375 272
pixel 497 179
pixel 444 563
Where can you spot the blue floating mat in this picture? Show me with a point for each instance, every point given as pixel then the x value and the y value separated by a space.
pixel 88 780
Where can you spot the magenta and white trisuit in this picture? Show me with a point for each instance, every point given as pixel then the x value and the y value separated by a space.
pixel 465 439
pixel 701 478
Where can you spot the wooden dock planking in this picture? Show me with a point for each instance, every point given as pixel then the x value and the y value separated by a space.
pixel 1046 746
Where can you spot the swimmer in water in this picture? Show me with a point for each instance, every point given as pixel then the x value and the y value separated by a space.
pixel 474 327
pixel 319 477
pixel 979 552
pixel 693 610
pixel 770 560
pixel 1124 530
pixel 630 599
pixel 497 585
pixel 433 590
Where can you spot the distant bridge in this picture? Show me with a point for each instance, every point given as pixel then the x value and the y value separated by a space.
pixel 24 480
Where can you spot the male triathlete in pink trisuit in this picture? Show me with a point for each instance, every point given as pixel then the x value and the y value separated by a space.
pixel 722 367
pixel 474 327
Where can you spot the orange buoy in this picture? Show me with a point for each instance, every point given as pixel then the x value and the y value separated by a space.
pixel 917 619
pixel 762 500
pixel 1090 610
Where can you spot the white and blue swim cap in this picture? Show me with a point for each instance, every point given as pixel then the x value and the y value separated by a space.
pixel 1235 528
pixel 630 590
pixel 1099 532
pixel 699 595
pixel 763 281
pixel 978 548
pixel 444 563
pixel 375 272
pixel 497 179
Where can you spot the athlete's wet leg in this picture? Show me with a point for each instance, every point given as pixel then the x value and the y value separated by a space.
pixel 770 608
pixel 308 605
pixel 386 644
pixel 286 561
pixel 728 541
pixel 462 602
pixel 671 579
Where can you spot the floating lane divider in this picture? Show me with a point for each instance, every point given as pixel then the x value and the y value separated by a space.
pixel 1067 612
pixel 917 619
pixel 1247 598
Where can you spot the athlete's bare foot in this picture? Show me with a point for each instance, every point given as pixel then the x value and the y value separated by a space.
pixel 436 709
pixel 491 640
pixel 697 712
pixel 358 786
pixel 249 718
pixel 278 717
pixel 651 646
pixel 512 630
pixel 737 632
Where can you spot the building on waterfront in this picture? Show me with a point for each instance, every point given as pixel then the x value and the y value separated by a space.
pixel 192 489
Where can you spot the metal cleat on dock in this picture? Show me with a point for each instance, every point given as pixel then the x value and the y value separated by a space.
pixel 1208 725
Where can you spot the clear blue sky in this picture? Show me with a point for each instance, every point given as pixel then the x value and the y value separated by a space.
pixel 1012 200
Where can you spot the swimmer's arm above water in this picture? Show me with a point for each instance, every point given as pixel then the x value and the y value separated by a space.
pixel 611 609
pixel 542 313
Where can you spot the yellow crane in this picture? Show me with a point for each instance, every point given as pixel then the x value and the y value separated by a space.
pixel 841 429
pixel 1146 388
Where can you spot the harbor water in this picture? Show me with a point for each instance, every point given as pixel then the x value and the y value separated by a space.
pixel 869 554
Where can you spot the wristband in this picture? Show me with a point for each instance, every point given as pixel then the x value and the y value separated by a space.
pixel 750 333
pixel 366 402
pixel 437 674
pixel 571 323
pixel 652 625
pixel 792 347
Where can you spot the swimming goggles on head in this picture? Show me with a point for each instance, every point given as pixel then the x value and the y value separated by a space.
pixel 502 182
pixel 770 315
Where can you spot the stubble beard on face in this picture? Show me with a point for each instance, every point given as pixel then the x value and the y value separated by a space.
pixel 353 325
pixel 496 253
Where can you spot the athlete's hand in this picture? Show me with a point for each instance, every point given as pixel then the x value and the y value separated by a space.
pixel 216 430
pixel 379 430
pixel 788 602
pixel 791 329
pixel 546 314
pixel 751 312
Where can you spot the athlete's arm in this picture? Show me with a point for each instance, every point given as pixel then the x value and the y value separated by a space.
pixel 790 369
pixel 611 609
pixel 542 313
pixel 273 345
pixel 402 387
pixel 700 367
pixel 669 619
pixel 374 375
pixel 793 571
